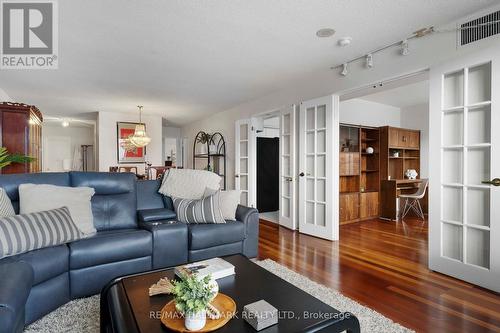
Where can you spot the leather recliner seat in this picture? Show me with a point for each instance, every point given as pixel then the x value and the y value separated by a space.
pixel 136 232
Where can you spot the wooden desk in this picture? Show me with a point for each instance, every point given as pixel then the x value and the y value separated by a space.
pixel 390 191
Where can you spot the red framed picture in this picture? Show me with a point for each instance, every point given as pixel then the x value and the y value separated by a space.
pixel 127 152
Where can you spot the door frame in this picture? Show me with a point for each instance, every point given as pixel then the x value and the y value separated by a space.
pixel 363 90
pixel 252 155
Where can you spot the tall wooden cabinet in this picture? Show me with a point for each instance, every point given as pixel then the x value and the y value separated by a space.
pixel 400 151
pixel 359 173
pixel 21 132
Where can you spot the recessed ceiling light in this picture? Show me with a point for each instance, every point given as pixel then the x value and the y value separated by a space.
pixel 345 41
pixel 325 32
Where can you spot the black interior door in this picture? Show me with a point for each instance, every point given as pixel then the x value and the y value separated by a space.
pixel 267 174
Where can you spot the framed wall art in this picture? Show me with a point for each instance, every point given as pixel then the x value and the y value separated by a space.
pixel 127 152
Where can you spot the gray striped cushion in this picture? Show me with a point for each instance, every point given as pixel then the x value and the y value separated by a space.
pixel 27 232
pixel 6 208
pixel 206 210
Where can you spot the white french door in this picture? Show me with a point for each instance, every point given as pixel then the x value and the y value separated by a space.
pixel 318 163
pixel 288 177
pixel 244 165
pixel 464 211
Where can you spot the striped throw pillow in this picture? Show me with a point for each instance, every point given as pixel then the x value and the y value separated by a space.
pixel 206 210
pixel 6 208
pixel 27 232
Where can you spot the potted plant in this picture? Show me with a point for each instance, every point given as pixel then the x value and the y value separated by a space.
pixel 203 139
pixel 192 296
pixel 7 159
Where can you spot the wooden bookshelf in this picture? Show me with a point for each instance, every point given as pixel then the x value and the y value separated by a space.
pixel 403 142
pixel 359 173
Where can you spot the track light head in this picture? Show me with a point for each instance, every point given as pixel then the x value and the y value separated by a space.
pixel 344 70
pixel 369 60
pixel 404 47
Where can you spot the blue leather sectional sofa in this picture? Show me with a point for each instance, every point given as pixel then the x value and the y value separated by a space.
pixel 137 232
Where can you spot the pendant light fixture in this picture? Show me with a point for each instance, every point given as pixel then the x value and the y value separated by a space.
pixel 140 137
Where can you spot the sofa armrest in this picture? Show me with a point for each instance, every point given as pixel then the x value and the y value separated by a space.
pixel 16 282
pixel 170 242
pixel 155 214
pixel 250 217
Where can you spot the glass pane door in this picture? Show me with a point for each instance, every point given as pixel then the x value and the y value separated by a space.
pixel 466 155
pixel 316 168
pixel 315 165
pixel 242 160
pixel 287 216
pixel 464 189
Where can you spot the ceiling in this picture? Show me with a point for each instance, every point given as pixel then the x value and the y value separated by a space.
pixel 186 59
pixel 402 97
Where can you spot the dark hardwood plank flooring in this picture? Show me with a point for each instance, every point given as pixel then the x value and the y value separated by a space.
pixel 383 265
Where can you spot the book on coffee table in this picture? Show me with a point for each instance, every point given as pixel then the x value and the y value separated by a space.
pixel 216 267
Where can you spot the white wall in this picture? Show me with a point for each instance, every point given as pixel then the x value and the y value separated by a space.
pixel 417 117
pixel 271 128
pixel 170 149
pixel 171 132
pixel 172 139
pixel 107 136
pixel 424 52
pixel 360 112
pixel 74 135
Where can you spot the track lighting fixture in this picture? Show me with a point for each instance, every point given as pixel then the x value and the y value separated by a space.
pixel 368 57
pixel 369 60
pixel 404 47
pixel 344 70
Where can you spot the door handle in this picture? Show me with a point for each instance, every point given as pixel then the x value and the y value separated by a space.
pixel 301 174
pixel 494 182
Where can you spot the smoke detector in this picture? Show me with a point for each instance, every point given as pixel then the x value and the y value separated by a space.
pixel 345 41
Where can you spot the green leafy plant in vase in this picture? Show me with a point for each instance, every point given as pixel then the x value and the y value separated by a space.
pixel 192 295
pixel 6 158
pixel 203 139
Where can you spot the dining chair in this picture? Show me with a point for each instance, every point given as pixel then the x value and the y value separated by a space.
pixel 131 169
pixel 412 201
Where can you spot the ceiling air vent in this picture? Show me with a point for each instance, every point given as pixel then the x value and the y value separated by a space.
pixel 480 28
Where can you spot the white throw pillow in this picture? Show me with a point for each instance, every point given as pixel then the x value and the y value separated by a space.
pixel 37 198
pixel 229 201
pixel 6 208
pixel 188 183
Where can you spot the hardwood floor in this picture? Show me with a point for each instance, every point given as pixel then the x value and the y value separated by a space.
pixel 383 265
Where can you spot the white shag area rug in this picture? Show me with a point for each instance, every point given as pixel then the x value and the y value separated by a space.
pixel 87 309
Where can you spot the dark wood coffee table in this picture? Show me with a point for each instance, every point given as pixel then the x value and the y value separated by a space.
pixel 127 308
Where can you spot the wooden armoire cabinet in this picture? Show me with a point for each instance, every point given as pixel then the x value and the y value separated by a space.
pixel 21 132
